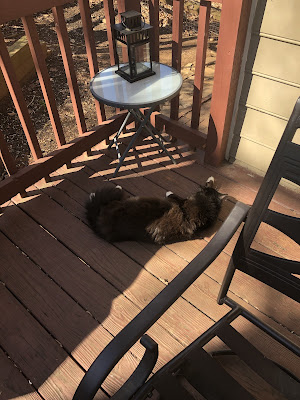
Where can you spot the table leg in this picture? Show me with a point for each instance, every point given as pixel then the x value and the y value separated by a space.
pixel 144 123
pixel 133 139
pixel 115 138
pixel 153 131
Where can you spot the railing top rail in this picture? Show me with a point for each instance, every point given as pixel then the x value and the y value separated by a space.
pixel 14 9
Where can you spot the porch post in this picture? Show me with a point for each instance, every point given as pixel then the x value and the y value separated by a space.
pixel 126 5
pixel 233 29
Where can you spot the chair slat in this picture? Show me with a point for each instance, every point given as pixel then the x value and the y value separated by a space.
pixel 274 263
pixel 287 224
pixel 90 45
pixel 154 21
pixel 18 99
pixel 42 72
pixel 269 371
pixel 203 30
pixel 8 161
pixel 292 162
pixel 169 387
pixel 110 20
pixel 177 26
pixel 273 276
pixel 66 52
pixel 210 379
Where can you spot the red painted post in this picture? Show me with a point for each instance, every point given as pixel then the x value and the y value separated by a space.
pixel 66 53
pixel 232 34
pixel 90 45
pixel 18 99
pixel 43 75
pixel 110 21
pixel 203 31
pixel 126 5
pixel 154 21
pixel 8 161
pixel 178 6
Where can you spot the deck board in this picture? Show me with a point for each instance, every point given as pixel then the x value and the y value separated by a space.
pixel 82 336
pixel 286 309
pixel 37 354
pixel 13 384
pixel 83 284
pixel 81 291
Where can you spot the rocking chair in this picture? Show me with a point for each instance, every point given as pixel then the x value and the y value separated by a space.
pixel 206 377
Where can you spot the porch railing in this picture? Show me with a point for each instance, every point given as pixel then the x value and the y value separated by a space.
pixel 233 26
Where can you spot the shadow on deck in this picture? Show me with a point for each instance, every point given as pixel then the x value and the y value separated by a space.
pixel 66 292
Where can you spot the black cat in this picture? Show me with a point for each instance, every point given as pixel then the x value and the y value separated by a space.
pixel 116 218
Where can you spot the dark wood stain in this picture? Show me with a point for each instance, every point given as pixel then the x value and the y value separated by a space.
pixel 81 291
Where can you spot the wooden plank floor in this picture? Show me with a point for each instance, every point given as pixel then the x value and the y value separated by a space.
pixel 66 293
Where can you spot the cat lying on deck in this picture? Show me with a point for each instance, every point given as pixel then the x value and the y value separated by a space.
pixel 116 218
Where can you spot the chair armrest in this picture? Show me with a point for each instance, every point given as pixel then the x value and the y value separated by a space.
pixel 125 339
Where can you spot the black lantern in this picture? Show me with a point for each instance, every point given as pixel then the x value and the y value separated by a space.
pixel 132 38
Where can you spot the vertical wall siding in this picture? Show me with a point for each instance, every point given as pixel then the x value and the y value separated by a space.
pixel 271 84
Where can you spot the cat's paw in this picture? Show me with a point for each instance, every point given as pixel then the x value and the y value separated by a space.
pixel 119 187
pixel 92 196
pixel 169 194
pixel 210 181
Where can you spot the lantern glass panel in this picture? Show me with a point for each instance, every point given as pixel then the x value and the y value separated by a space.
pixel 134 60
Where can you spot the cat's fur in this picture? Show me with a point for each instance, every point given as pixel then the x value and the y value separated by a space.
pixel 116 218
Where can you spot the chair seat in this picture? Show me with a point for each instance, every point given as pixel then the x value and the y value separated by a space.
pixel 242 372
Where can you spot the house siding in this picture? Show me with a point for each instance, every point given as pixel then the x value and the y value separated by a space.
pixel 270 85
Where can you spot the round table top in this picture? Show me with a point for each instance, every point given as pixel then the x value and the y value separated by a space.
pixel 113 90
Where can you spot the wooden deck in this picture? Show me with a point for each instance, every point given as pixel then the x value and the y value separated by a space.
pixel 65 293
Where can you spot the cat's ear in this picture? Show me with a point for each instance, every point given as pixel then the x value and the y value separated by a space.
pixel 92 195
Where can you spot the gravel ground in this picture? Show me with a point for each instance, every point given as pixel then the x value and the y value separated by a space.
pixel 9 121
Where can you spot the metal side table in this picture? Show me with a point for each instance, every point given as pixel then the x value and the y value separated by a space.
pixel 111 89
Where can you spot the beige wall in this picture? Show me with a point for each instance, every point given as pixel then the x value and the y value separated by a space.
pixel 269 84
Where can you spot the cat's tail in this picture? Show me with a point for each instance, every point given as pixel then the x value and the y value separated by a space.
pixel 99 199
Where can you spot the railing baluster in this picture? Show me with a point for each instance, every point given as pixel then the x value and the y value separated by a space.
pixel 18 99
pixel 42 72
pixel 90 45
pixel 126 5
pixel 110 20
pixel 203 30
pixel 8 161
pixel 154 21
pixel 66 52
pixel 177 26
